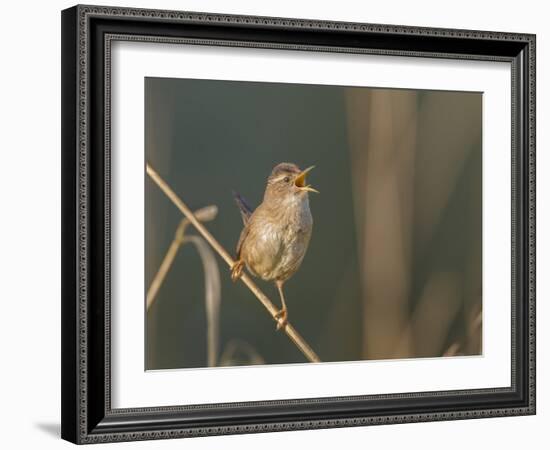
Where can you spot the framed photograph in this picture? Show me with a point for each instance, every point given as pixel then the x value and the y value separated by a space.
pixel 279 224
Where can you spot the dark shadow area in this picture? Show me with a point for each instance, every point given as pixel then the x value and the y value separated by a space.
pixel 53 429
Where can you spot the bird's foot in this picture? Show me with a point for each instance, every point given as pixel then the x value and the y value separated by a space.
pixel 282 318
pixel 237 270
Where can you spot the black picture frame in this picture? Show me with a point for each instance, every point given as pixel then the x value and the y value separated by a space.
pixel 87 416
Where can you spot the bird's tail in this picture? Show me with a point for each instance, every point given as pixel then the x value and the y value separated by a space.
pixel 245 210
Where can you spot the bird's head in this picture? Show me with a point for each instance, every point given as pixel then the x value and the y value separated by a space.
pixel 287 181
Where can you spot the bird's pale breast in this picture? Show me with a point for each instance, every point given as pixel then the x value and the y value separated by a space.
pixel 277 243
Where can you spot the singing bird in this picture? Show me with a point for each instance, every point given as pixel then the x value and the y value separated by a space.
pixel 276 235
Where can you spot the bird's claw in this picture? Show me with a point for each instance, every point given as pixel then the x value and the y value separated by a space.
pixel 282 318
pixel 237 270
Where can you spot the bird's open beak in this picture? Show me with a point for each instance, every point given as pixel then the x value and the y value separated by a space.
pixel 300 181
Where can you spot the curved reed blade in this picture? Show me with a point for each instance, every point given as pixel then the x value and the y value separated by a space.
pixel 205 214
pixel 212 295
pixel 238 352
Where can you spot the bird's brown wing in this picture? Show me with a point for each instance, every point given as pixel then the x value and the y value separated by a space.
pixel 242 237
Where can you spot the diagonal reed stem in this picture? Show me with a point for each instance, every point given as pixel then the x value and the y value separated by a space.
pixel 294 336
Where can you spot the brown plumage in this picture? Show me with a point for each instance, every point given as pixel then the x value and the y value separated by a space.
pixel 276 235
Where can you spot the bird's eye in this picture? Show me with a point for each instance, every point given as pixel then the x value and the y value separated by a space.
pixel 286 179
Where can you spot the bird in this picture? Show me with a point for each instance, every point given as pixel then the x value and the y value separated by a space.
pixel 276 234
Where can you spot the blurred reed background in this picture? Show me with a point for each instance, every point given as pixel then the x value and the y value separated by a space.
pixel 394 265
